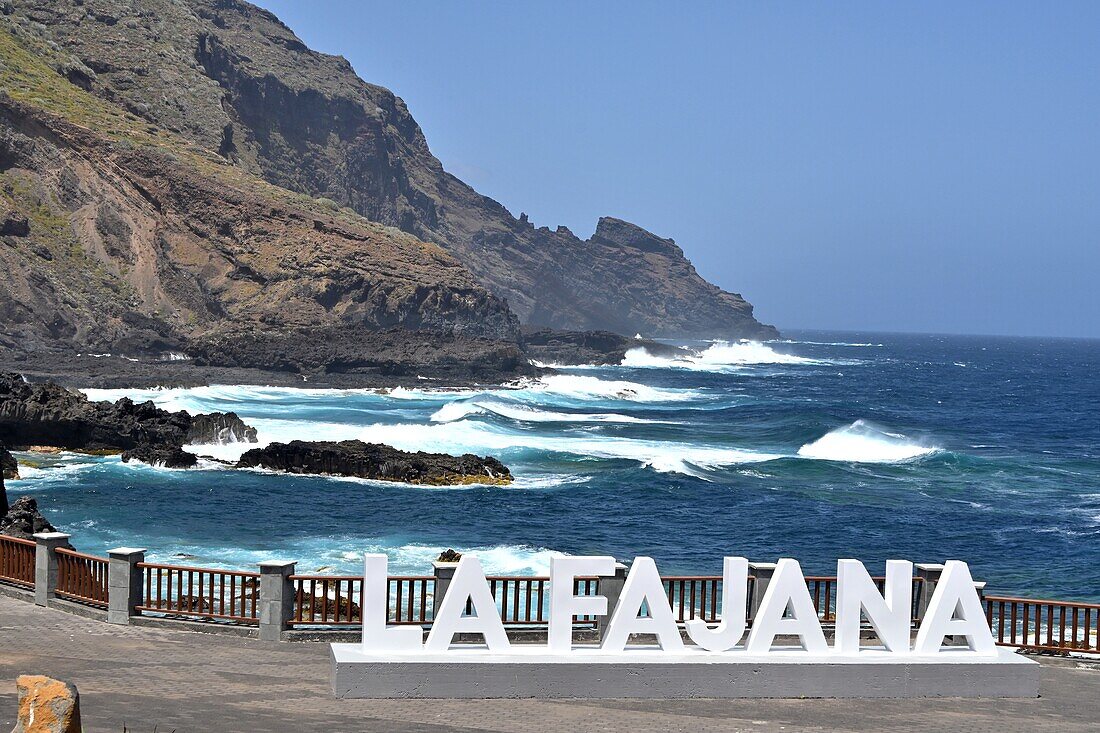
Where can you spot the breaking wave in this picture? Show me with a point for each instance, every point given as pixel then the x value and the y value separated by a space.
pixel 718 357
pixel 864 442
pixel 474 437
pixel 453 411
pixel 593 388
pixel 344 554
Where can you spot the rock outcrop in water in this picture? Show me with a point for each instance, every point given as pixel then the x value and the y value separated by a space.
pixel 23 519
pixel 376 461
pixel 218 428
pixel 49 415
pixel 176 171
pixel 163 456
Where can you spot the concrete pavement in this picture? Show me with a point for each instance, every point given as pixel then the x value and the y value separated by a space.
pixel 165 679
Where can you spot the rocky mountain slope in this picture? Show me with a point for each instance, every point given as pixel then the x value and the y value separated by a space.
pixel 119 234
pixel 251 101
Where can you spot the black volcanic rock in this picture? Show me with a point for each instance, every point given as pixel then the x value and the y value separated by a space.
pixel 49 415
pixel 166 456
pixel 218 428
pixel 550 346
pixel 9 468
pixel 23 519
pixel 14 225
pixel 375 461
pixel 3 494
pixel 392 353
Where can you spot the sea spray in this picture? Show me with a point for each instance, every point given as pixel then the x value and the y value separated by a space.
pixel 718 357
pixel 865 442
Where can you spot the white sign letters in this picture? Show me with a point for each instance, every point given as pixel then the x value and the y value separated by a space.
pixel 786 612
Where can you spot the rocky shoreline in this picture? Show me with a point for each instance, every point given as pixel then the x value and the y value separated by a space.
pixel 376 461
pixel 49 417
pixel 53 416
pixel 350 360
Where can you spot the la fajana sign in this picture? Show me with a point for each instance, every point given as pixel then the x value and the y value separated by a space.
pixel 784 652
pixel 787 610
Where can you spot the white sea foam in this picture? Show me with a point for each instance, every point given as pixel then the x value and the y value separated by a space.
pixel 344 554
pixel 465 436
pixel 459 410
pixel 593 388
pixel 864 442
pixel 721 356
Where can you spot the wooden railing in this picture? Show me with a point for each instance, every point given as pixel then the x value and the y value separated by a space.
pixel 696 596
pixel 82 578
pixel 336 601
pixel 1040 625
pixel 330 600
pixel 823 592
pixel 17 558
pixel 174 590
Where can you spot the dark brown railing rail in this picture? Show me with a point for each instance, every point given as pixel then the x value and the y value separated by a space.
pixel 82 578
pixel 174 590
pixel 17 559
pixel 823 592
pixel 1040 625
pixel 521 600
pixel 696 596
pixel 1063 627
pixel 330 600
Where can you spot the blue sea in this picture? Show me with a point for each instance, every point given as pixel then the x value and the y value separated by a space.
pixel 818 447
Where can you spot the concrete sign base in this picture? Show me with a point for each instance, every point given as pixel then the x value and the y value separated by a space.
pixel 642 672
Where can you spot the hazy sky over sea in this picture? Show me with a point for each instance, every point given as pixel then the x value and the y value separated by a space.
pixel 927 166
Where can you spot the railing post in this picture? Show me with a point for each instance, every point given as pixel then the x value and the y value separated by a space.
pixel 276 598
pixel 610 587
pixel 45 565
pixel 443 572
pixel 124 583
pixel 929 573
pixel 763 572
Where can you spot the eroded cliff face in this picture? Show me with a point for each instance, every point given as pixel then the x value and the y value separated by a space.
pixel 233 80
pixel 121 235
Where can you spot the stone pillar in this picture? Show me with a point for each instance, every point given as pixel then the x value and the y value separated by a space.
pixel 124 583
pixel 276 598
pixel 610 587
pixel 763 572
pixel 45 565
pixel 930 574
pixel 443 572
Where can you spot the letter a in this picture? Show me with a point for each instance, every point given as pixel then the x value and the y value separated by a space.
pixel 955 610
pixel 643 585
pixel 787 591
pixel 468 585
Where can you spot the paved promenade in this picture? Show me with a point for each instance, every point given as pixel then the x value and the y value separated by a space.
pixel 144 678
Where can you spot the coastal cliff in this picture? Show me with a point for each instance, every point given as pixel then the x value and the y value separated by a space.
pixel 176 172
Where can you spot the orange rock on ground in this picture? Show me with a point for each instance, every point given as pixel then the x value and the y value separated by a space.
pixel 47 705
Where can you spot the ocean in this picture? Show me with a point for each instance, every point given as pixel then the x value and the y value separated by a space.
pixel 817 447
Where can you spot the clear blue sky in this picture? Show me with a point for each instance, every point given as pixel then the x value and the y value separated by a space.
pixel 921 166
